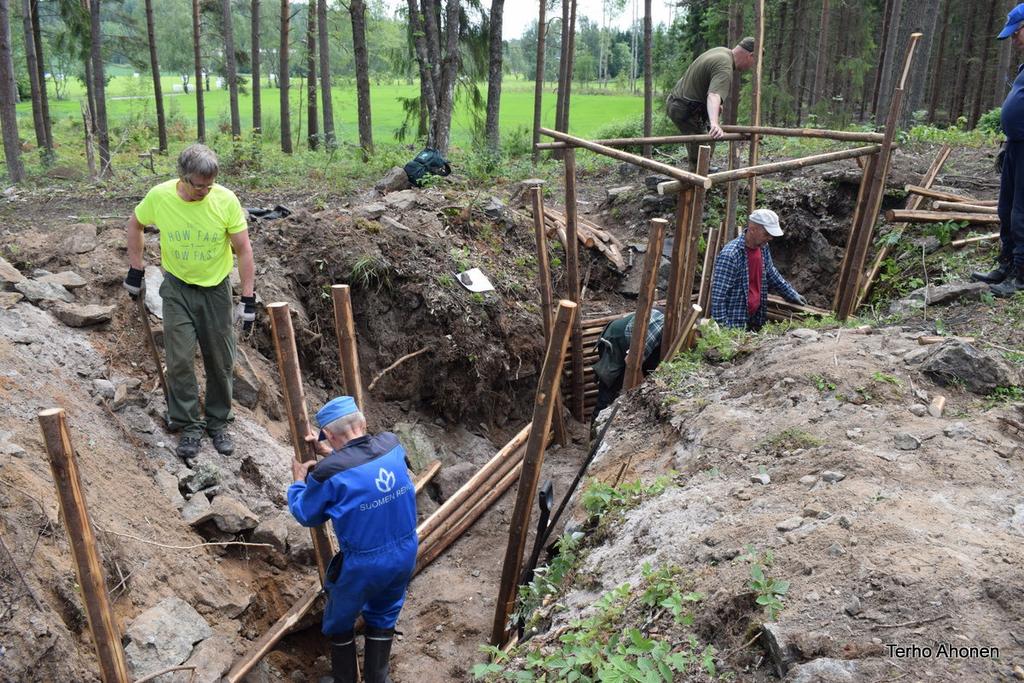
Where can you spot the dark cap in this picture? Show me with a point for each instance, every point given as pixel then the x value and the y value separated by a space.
pixel 748 44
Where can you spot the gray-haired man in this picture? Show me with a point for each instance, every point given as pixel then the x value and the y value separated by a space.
pixel 200 223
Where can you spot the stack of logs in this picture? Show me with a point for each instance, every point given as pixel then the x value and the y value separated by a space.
pixel 589 235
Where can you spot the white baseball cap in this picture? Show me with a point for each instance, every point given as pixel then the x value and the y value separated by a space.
pixel 767 219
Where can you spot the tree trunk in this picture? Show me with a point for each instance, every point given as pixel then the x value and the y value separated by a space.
pixel 775 65
pixel 197 55
pixel 357 10
pixel 428 95
pixel 883 51
pixel 891 64
pixel 494 64
pixel 313 125
pixel 99 87
pixel 983 68
pixel 257 105
pixel 792 61
pixel 154 67
pixel 44 100
pixel 964 70
pixel 446 100
pixel 283 83
pixel 232 71
pixel 936 87
pixel 570 63
pixel 538 79
pixel 8 97
pixel 648 77
pixel 1003 76
pixel 732 104
pixel 325 75
pixel 917 81
pixel 90 93
pixel 33 74
pixel 817 90
pixel 563 73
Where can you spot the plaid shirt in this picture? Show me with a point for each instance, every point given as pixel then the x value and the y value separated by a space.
pixel 731 283
pixel 654 327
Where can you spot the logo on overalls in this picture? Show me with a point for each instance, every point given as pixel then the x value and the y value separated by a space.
pixel 385 480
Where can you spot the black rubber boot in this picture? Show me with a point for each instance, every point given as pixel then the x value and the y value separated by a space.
pixel 376 653
pixel 343 660
pixel 1011 285
pixel 1003 269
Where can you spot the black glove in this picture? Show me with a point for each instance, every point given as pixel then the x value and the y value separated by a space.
pixel 998 163
pixel 133 282
pixel 246 312
pixel 800 300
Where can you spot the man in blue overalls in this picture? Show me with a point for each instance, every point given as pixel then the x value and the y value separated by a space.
pixel 1008 276
pixel 363 487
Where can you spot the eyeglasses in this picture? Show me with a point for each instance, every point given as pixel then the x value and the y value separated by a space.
pixel 197 186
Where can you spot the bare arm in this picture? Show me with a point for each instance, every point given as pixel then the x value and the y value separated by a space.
pixel 135 242
pixel 714 111
pixel 246 265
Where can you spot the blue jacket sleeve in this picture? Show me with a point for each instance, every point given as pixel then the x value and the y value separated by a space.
pixel 308 502
pixel 778 283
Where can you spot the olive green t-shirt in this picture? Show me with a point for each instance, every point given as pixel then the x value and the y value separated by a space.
pixel 711 72
pixel 195 246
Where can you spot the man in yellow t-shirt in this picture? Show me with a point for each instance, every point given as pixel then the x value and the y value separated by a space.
pixel 200 223
pixel 695 103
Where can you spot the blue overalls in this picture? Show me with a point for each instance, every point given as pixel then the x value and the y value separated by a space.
pixel 365 490
pixel 1011 185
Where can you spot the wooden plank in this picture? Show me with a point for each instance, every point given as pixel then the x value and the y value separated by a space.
pixel 939 194
pixel 348 352
pixel 546 295
pixel 905 216
pixel 940 205
pixel 674 295
pixel 645 302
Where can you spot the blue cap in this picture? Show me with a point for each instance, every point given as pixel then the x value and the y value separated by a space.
pixel 1013 22
pixel 334 409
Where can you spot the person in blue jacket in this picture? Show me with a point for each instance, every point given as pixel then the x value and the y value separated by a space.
pixel 363 487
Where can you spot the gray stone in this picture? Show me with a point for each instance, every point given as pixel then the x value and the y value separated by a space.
pixel 823 670
pixel 494 209
pixel 781 650
pixel 211 658
pixel 940 294
pixel 247 384
pixel 854 434
pixel 919 410
pixel 43 292
pixel 614 194
pixel 81 239
pixel 103 388
pixel 805 334
pixel 978 371
pixel 163 636
pixel 300 544
pixel 154 278
pixel 10 299
pixel 790 524
pixel 761 478
pixel 9 275
pixel 370 212
pixel 906 442
pixel 168 485
pixel 82 315
pixel 273 531
pixel 419 446
pixel 853 608
pixel 196 510
pixel 451 477
pixel 652 181
pixel 394 180
pixel 917 355
pixel 135 418
pixel 202 476
pixel 401 201
pixel 231 516
pixel 67 279
pixel 836 550
pixel 808 480
pixel 654 203
pixel 957 430
pixel 832 476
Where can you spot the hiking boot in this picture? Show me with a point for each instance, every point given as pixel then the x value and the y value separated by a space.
pixel 994 277
pixel 188 446
pixel 343 660
pixel 376 653
pixel 1011 285
pixel 222 442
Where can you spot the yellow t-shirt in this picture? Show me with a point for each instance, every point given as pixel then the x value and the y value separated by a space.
pixel 194 242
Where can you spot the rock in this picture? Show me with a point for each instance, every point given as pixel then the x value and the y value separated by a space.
pixel 655 203
pixel 211 658
pixel 196 510
pixel 163 636
pixel 652 181
pixel 103 388
pixel 370 212
pixel 808 480
pixel 168 485
pixel 9 275
pixel 419 446
pixel 790 524
pixel 919 410
pixel 273 531
pixel 82 315
pixel 43 292
pixel 917 355
pixel 136 419
pixel 805 334
pixel 930 244
pixel 401 201
pixel 979 372
pixel 202 476
pixel 154 277
pixel 300 544
pixel 761 478
pixel 614 194
pixel 81 239
pixel 835 550
pixel 782 652
pixel 854 434
pixel 451 477
pixel 957 430
pixel 68 280
pixel 853 608
pixel 231 516
pixel 10 299
pixel 394 180
pixel 906 442
pixel 940 294
pixel 494 209
pixel 937 405
pixel 247 383
pixel 832 476
pixel 823 670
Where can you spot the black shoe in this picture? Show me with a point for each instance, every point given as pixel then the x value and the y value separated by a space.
pixel 1011 285
pixel 343 660
pixel 222 442
pixel 376 653
pixel 1002 271
pixel 188 446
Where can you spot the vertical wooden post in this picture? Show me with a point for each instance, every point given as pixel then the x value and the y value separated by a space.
pixel 546 297
pixel 696 228
pixel 673 297
pixel 868 174
pixel 641 321
pixel 82 539
pixel 543 407
pixel 572 276
pixel 684 339
pixel 704 291
pixel 731 192
pixel 348 350
pixel 295 406
pixel 755 105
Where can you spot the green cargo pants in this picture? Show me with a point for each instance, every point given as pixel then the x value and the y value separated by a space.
pixel 203 314
pixel 691 118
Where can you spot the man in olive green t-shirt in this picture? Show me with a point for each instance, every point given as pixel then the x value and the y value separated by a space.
pixel 695 102
pixel 200 223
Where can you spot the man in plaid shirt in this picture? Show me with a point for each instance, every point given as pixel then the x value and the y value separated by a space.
pixel 744 272
pixel 612 348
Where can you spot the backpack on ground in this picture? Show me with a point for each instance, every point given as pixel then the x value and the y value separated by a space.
pixel 427 162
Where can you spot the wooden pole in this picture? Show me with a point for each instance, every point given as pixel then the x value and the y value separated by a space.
pixel 841 135
pixel 348 350
pixel 732 133
pixel 683 337
pixel 647 140
pixel 295 406
pixel 858 209
pixel 696 228
pixel 905 216
pixel 140 302
pixel 939 194
pixel 939 205
pixel 704 291
pixel 731 193
pixel 674 295
pixel 543 406
pixel 755 105
pixel 82 539
pixel 656 166
pixel 546 296
pixel 972 240
pixel 572 276
pixel 645 302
